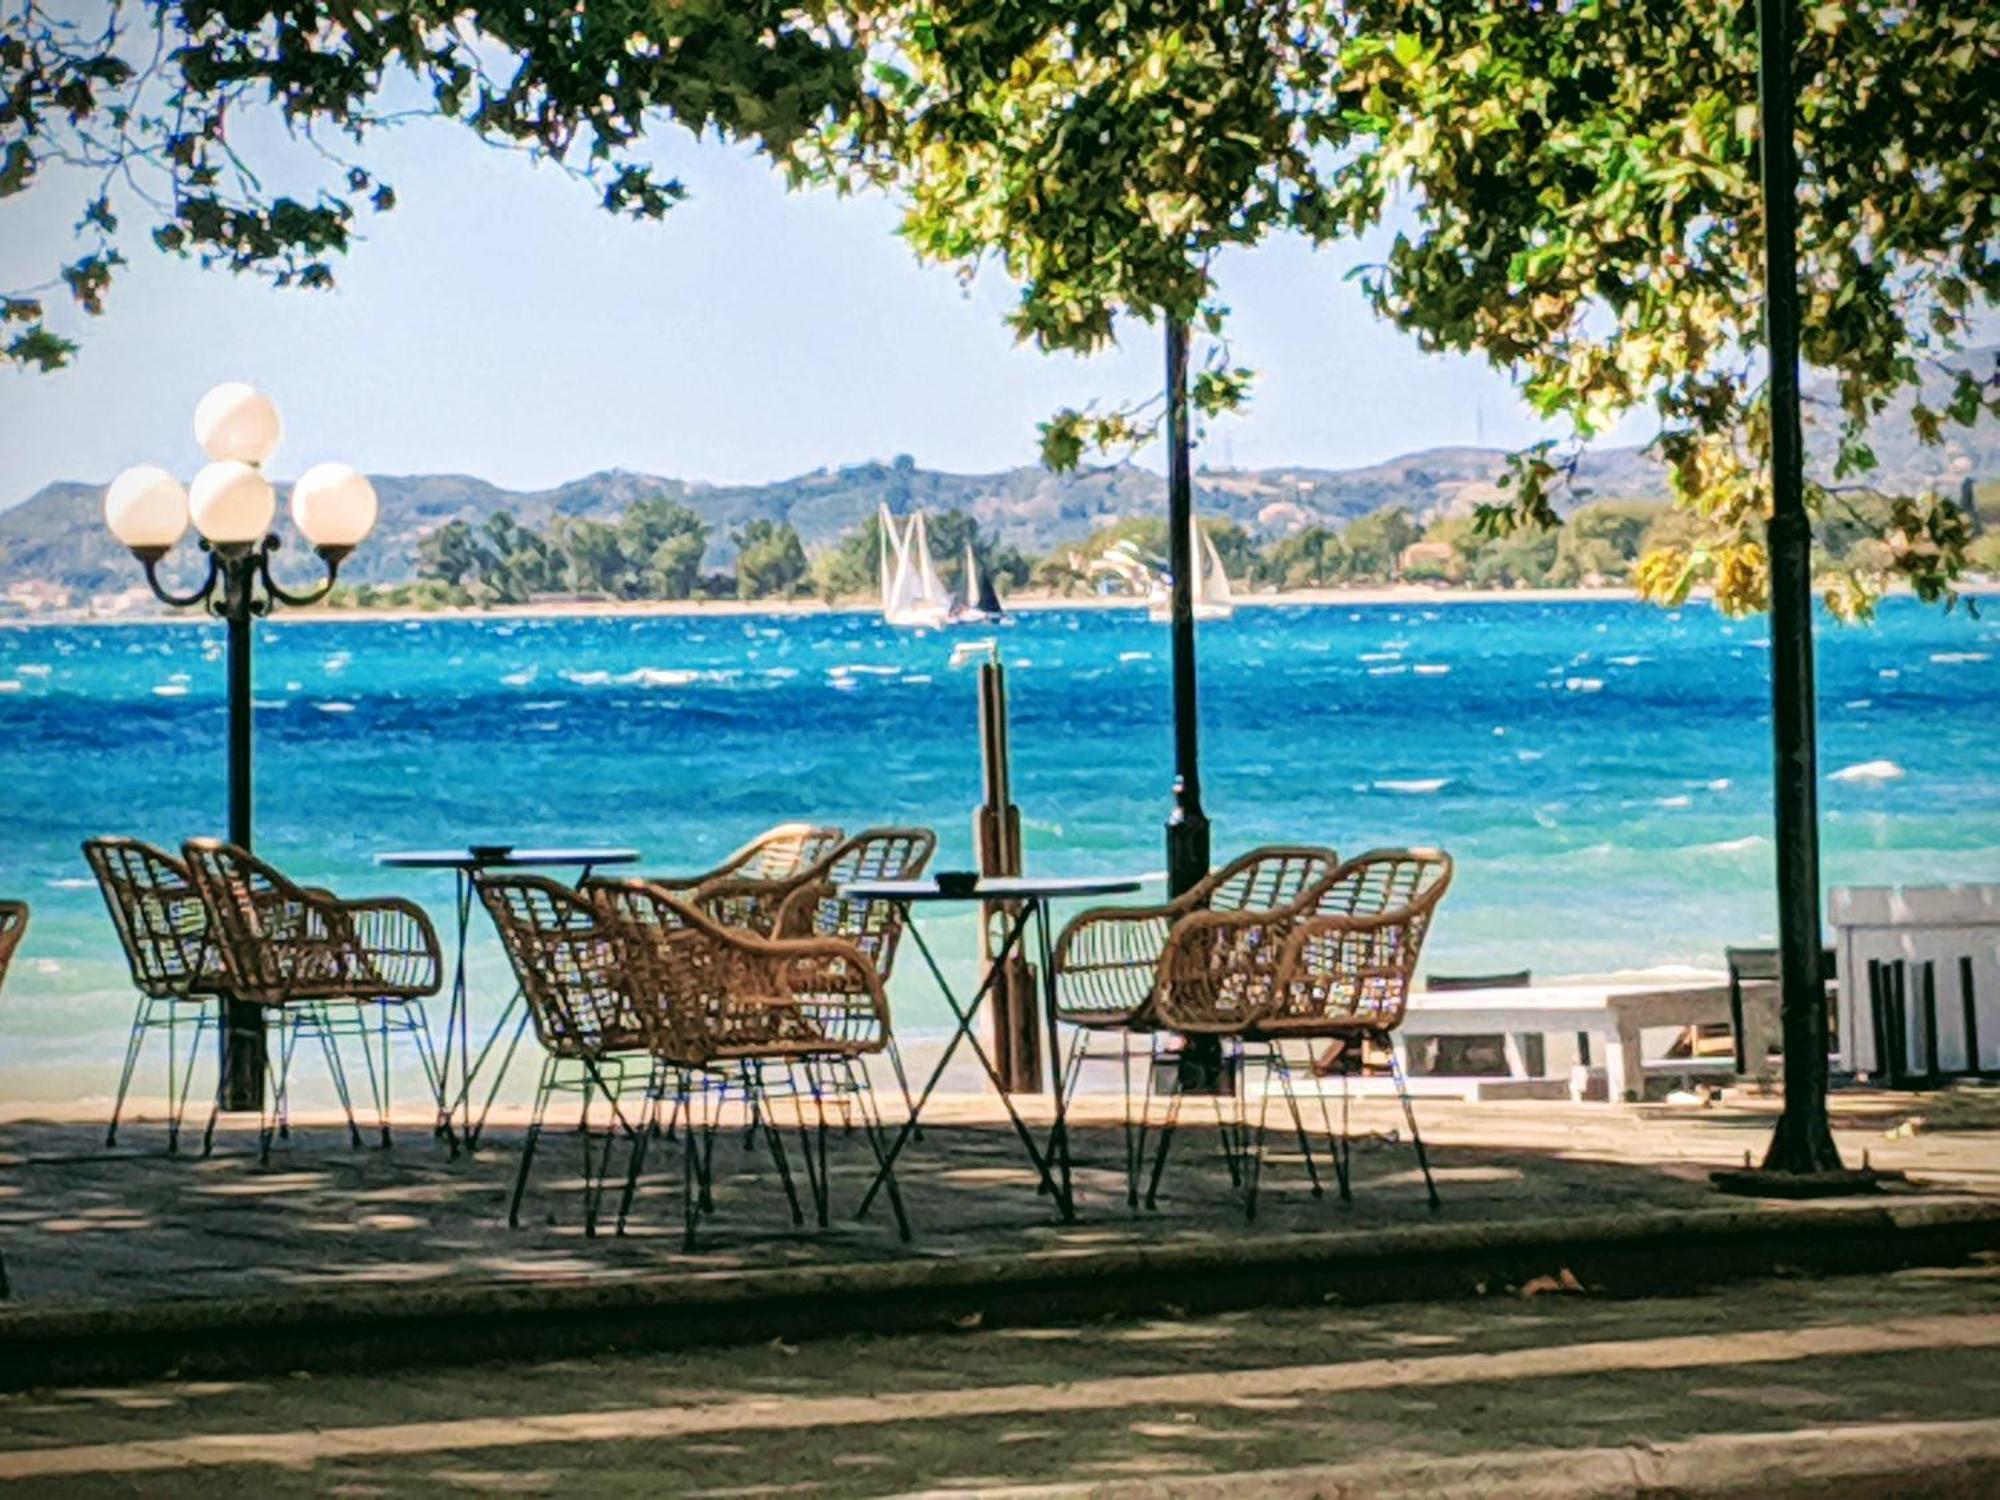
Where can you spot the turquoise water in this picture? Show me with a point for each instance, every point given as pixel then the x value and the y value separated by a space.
pixel 1599 769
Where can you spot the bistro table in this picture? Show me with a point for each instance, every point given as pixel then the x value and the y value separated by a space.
pixel 1022 901
pixel 464 864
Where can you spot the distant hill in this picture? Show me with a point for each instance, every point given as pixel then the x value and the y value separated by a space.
pixel 57 536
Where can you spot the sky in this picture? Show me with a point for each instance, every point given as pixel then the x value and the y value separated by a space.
pixel 499 323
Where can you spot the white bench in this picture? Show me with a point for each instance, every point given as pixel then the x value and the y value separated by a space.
pixel 1613 1011
pixel 1915 924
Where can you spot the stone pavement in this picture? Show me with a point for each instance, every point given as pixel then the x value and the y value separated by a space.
pixel 1887 1385
pixel 82 1224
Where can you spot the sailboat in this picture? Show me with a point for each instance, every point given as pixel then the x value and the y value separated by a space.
pixel 912 592
pixel 1212 597
pixel 981 601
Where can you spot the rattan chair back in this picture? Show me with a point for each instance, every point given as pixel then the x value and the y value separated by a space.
pixel 672 969
pixel 1357 954
pixel 1268 878
pixel 13 925
pixel 566 953
pixel 784 851
pixel 875 926
pixel 252 910
pixel 161 920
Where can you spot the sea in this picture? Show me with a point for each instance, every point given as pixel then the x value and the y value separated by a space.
pixel 1600 770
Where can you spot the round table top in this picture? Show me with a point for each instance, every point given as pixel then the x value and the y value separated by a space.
pixel 490 857
pixel 996 888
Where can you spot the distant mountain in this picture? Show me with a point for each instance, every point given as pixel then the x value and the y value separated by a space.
pixel 57 536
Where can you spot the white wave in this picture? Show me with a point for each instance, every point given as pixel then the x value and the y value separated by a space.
pixel 1677 801
pixel 1625 661
pixel 1387 671
pixel 662 677
pixel 47 966
pixel 781 674
pixel 1421 788
pixel 523 677
pixel 335 708
pixel 337 662
pixel 1378 656
pixel 171 690
pixel 1135 656
pixel 859 669
pixel 924 678
pixel 1944 658
pixel 1529 754
pixel 1888 672
pixel 1733 846
pixel 9 685
pixel 1584 684
pixel 586 679
pixel 1859 703
pixel 71 883
pixel 1720 784
pixel 1869 770
pixel 1431 669
pixel 32 669
pixel 293 687
pixel 541 705
pixel 270 703
pixel 843 684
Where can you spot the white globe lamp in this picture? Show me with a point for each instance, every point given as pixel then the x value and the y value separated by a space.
pixel 232 504
pixel 237 422
pixel 334 508
pixel 147 510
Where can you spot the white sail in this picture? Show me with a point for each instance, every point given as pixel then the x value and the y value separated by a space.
pixel 1213 599
pixel 930 588
pixel 913 594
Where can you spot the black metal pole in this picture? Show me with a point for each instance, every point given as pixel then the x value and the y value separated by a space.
pixel 1803 1141
pixel 242 1039
pixel 1187 824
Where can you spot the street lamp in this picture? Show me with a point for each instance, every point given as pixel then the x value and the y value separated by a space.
pixel 232 506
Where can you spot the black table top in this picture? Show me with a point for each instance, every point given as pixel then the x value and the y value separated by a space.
pixel 996 888
pixel 488 858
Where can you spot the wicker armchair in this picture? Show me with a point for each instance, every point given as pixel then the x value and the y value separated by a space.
pixel 319 964
pixel 13 924
pixel 596 1041
pixel 777 854
pixel 176 967
pixel 768 1018
pixel 1110 961
pixel 1342 972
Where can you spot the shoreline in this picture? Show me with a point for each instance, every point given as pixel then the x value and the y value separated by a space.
pixel 1371 596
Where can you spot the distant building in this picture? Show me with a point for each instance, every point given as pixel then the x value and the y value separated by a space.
pixel 34 596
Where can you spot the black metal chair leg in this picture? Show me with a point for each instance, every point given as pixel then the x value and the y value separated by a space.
pixel 1275 1062
pixel 542 1089
pixel 1167 1127
pixel 871 1123
pixel 754 1088
pixel 1416 1136
pixel 141 1019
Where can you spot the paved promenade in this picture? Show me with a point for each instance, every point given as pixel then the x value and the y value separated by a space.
pixel 79 1224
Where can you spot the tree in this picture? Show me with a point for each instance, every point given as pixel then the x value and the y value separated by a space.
pixel 1581 184
pixel 1311 558
pixel 1376 541
pixel 662 543
pixel 1103 152
pixel 770 560
pixel 592 561
pixel 851 568
pixel 448 553
pixel 1583 180
pixel 152 107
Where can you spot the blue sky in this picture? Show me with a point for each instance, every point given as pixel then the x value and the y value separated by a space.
pixel 498 323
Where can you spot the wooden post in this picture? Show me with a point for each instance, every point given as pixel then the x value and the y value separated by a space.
pixel 996 834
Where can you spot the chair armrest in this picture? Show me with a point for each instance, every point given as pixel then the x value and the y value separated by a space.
pixel 397 942
pixel 1355 969
pixel 1107 959
pixel 1220 969
pixel 748 904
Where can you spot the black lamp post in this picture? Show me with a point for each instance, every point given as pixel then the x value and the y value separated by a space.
pixel 1802 1157
pixel 1187 824
pixel 233 505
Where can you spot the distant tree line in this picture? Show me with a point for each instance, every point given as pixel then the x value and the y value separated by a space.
pixel 654 551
